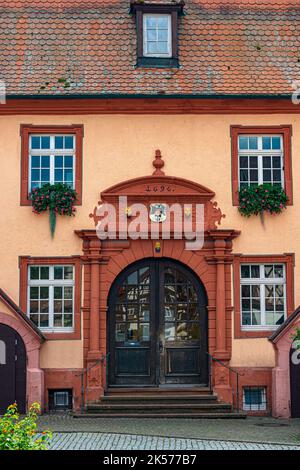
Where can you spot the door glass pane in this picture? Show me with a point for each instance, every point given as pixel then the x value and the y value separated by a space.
pixel 170 331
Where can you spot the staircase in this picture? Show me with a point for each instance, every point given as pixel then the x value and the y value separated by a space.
pixel 159 403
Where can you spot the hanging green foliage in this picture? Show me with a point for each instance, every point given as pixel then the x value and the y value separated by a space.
pixel 58 198
pixel 254 200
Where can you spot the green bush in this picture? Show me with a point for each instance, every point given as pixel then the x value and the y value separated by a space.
pixel 254 200
pixel 21 434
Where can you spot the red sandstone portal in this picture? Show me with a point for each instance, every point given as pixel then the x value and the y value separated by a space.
pixel 105 260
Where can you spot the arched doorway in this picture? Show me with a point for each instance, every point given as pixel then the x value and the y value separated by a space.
pixel 12 369
pixel 295 382
pixel 157 326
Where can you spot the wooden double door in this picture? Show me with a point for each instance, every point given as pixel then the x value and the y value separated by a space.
pixel 12 369
pixel 157 326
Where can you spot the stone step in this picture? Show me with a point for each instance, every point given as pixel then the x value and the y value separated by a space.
pixel 218 415
pixel 154 391
pixel 157 407
pixel 187 399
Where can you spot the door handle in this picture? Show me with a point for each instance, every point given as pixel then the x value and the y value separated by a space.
pixel 161 347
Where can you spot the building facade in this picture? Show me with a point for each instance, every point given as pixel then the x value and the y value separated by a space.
pixel 160 103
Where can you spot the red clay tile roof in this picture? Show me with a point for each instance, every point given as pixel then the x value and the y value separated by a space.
pixel 89 47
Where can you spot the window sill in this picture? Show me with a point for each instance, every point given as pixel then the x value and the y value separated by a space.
pixel 158 62
pixel 61 335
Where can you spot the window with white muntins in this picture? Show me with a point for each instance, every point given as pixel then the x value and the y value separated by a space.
pixel 51 297
pixel 260 160
pixel 157 34
pixel 263 296
pixel 51 160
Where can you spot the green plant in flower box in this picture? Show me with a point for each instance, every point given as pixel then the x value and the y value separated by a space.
pixel 58 198
pixel 256 199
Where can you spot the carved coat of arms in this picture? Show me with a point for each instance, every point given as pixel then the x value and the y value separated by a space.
pixel 158 212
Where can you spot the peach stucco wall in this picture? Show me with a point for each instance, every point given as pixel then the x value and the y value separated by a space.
pixel 119 147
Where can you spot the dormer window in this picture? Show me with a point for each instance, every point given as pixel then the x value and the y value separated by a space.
pixel 157 33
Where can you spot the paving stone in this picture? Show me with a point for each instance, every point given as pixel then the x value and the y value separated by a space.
pixel 252 429
pixel 101 441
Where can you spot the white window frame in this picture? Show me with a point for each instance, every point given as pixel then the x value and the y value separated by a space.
pixel 256 407
pixel 262 281
pixel 51 283
pixel 51 153
pixel 145 42
pixel 260 153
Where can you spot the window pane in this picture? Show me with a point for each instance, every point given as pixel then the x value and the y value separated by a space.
pixel 244 176
pixel 267 178
pixel 255 291
pixel 58 272
pixel 151 35
pixel 256 318
pixel 151 22
pixel 163 35
pixel 34 272
pixel 266 143
pixel 34 292
pixel 44 321
pixel 59 142
pixel 245 291
pixel 58 292
pixel 45 142
pixel 68 306
pixel 132 332
pixel 267 162
pixel 133 278
pixel 35 175
pixel 243 143
pixel 58 320
pixel 35 142
pixel 162 22
pixel 45 176
pixel 44 306
pixel 35 161
pixel 68 321
pixel 144 332
pixel 44 272
pixel 253 162
pixel 243 162
pixel 253 143
pixel 276 143
pixel 44 292
pixel 170 331
pixel 59 161
pixel 45 161
pixel 68 161
pixel 245 271
pixel 162 47
pixel 152 47
pixel 59 176
pixel 255 271
pixel 69 142
pixel 57 306
pixel 68 176
pixel 68 272
pixel 68 292
pixel 269 271
pixel 246 318
pixel 34 306
pixel 278 270
pixel 276 162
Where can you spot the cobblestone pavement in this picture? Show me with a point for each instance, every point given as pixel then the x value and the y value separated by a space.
pixel 100 441
pixel 252 429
